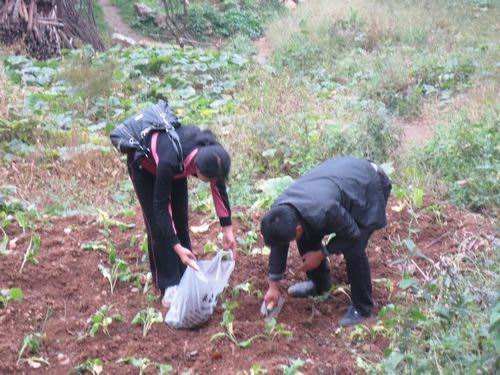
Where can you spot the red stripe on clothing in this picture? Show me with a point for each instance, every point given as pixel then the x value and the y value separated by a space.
pixel 154 147
pixel 189 166
pixel 220 207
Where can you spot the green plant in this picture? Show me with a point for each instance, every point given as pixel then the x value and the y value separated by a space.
pixel 147 318
pixel 452 321
pixel 293 368
pixel 32 251
pixel 101 320
pixel 142 364
pixel 107 222
pixel 465 156
pixel 227 323
pixel 273 329
pixel 10 295
pixel 32 343
pixel 118 270
pixel 94 246
pixel 93 366
pixel 4 243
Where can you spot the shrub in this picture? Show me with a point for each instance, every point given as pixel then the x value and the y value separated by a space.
pixel 466 156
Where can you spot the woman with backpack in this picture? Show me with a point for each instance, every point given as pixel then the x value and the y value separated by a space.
pixel 161 155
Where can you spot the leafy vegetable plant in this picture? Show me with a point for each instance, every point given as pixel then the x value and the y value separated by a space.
pixel 227 324
pixel 101 320
pixel 118 271
pixel 147 318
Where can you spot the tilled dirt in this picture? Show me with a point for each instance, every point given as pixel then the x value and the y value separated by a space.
pixel 67 283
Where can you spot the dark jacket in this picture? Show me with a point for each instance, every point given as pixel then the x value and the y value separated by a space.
pixel 342 196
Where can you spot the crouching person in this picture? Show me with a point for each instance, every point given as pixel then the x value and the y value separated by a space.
pixel 345 196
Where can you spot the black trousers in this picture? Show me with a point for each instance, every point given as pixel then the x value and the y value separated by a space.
pixel 357 265
pixel 166 266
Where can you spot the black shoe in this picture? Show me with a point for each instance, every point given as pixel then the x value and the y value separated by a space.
pixel 303 289
pixel 352 317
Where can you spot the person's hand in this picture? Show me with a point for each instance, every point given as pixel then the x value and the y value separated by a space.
pixel 187 256
pixel 272 295
pixel 312 260
pixel 228 240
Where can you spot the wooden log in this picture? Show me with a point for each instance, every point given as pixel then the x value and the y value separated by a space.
pixel 31 15
pixel 23 11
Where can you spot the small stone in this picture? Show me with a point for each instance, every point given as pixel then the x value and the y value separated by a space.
pixel 13 243
pixel 63 359
pixel 67 230
pixel 134 290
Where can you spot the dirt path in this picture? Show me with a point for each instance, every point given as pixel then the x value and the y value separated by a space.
pixel 117 24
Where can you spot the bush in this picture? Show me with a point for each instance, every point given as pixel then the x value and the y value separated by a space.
pixel 450 323
pixel 466 156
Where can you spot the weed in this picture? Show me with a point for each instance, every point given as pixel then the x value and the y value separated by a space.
pixel 147 318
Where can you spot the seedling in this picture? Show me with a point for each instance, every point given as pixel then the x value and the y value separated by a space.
pixel 247 243
pixel 4 243
pixel 141 364
pixel 257 369
pixel 32 251
pixel 210 248
pixel 93 366
pixel 101 320
pixel 243 287
pixel 147 318
pixel 273 329
pixel 94 246
pixel 9 295
pixel 119 270
pixel 107 222
pixel 293 368
pixel 227 324
pixel 32 344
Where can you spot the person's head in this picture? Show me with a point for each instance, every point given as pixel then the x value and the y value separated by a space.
pixel 280 225
pixel 213 163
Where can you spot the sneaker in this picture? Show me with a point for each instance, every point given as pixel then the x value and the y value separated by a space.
pixel 303 289
pixel 169 296
pixel 352 317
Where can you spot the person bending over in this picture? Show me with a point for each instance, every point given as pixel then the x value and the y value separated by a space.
pixel 346 197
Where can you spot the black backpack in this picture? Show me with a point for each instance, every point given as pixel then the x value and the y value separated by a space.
pixel 132 133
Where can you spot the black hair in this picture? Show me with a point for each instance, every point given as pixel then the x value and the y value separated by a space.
pixel 212 159
pixel 279 225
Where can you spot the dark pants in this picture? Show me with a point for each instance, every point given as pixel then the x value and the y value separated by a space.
pixel 165 264
pixel 358 267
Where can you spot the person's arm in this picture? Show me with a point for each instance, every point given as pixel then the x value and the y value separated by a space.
pixel 342 223
pixel 345 228
pixel 277 262
pixel 221 202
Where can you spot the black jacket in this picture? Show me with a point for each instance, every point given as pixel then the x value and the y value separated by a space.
pixel 342 196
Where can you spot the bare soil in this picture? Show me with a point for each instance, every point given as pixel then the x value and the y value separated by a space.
pixel 67 282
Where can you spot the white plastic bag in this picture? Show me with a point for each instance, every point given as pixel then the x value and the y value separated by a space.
pixel 197 293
